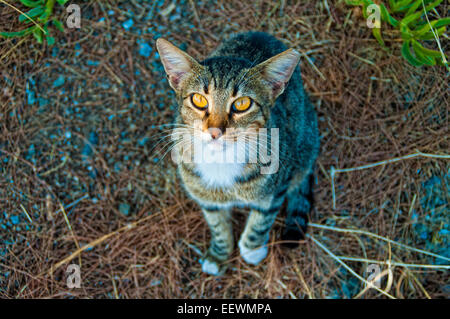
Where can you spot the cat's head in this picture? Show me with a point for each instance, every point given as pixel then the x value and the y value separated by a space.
pixel 223 93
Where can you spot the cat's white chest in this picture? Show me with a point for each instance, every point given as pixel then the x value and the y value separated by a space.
pixel 216 163
pixel 219 175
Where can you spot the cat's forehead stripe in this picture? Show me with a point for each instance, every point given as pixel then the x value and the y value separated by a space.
pixel 225 71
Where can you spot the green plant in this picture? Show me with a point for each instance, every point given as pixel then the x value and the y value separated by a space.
pixel 39 14
pixel 410 19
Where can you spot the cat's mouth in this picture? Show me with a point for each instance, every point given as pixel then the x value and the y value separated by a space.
pixel 213 144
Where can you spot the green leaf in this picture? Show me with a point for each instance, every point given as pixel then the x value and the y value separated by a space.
pixel 430 35
pixel 62 2
pixel 387 17
pixel 400 5
pixel 377 34
pixel 44 16
pixel 32 13
pixel 432 5
pixel 37 33
pixel 414 7
pixel 406 53
pixel 412 26
pixel 16 34
pixel 405 33
pixel 31 3
pixel 441 62
pixel 58 24
pixel 392 4
pixel 368 2
pixel 354 2
pixel 441 22
pixel 420 48
pixel 50 40
pixel 423 58
pixel 435 24
pixel 407 20
pixel 426 60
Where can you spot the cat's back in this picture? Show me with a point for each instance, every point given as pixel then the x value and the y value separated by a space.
pixel 253 46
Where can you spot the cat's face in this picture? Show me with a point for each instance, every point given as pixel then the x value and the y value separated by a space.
pixel 224 97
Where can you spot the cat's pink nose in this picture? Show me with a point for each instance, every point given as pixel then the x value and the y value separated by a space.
pixel 215 132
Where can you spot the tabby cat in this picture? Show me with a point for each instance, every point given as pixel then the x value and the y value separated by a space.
pixel 248 86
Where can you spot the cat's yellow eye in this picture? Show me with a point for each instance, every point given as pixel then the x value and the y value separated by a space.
pixel 199 101
pixel 242 104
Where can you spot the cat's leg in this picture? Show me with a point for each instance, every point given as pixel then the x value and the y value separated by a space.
pixel 300 201
pixel 252 244
pixel 221 246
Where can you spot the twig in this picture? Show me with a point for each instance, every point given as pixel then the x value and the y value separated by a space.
pixel 116 295
pixel 71 230
pixel 347 267
pixel 197 18
pixel 362 232
pixel 54 169
pixel 333 170
pixel 375 279
pixel 302 280
pixel 393 263
pixel 313 65
pixel 95 243
pixel 12 49
pixel 26 213
pixel 73 203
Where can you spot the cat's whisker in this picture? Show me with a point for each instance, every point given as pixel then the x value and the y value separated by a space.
pixel 154 127
pixel 170 137
pixel 166 133
pixel 172 147
pixel 163 135
pixel 163 148
pixel 189 148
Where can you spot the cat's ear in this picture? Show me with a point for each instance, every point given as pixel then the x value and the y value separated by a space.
pixel 278 70
pixel 177 63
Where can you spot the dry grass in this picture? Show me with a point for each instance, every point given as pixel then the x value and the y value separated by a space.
pixel 372 107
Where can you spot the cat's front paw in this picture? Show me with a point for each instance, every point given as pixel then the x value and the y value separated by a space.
pixel 252 256
pixel 212 266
